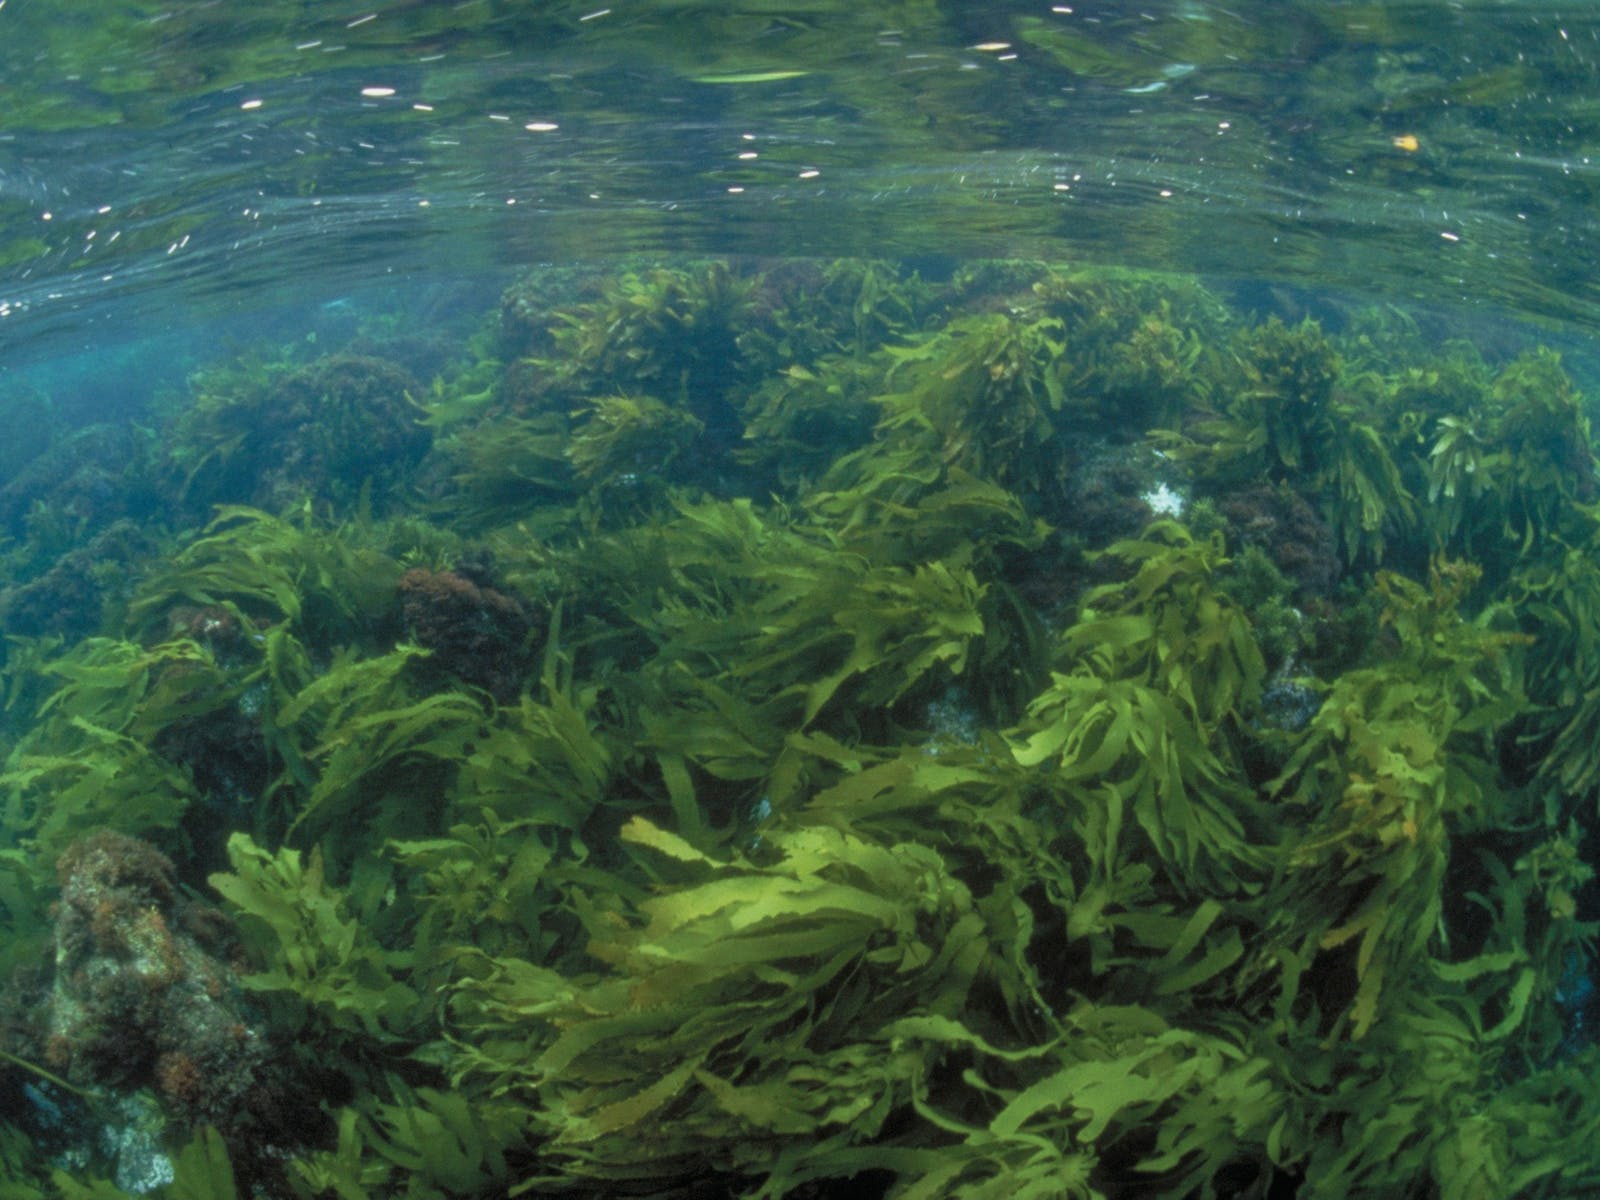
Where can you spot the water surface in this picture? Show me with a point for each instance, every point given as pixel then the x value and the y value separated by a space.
pixel 162 164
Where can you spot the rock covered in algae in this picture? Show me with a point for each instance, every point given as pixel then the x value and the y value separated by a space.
pixel 140 997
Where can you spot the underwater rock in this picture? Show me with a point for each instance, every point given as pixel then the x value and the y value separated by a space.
pixel 65 600
pixel 216 736
pixel 1287 703
pixel 224 750
pixel 83 481
pixel 216 627
pixel 1108 494
pixel 1289 531
pixel 69 597
pixel 140 995
pixel 327 430
pixel 476 632
pixel 423 355
pixel 342 420
pixel 124 1134
pixel 529 306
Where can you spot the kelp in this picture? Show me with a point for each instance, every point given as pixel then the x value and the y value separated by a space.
pixel 1512 474
pixel 1171 626
pixel 273 569
pixel 749 603
pixel 1095 939
pixel 1133 753
pixel 796 422
pixel 94 758
pixel 1140 350
pixel 985 391
pixel 900 505
pixel 201 1170
pixel 369 729
pixel 666 331
pixel 1287 414
pixel 507 469
pixel 876 632
pixel 877 926
pixel 1559 601
pixel 629 438
pixel 693 1045
pixel 438 1142
pixel 1154 677
pixel 846 307
pixel 524 795
pixel 786 1011
pixel 847 822
pixel 317 956
pixel 344 428
pixel 1398 760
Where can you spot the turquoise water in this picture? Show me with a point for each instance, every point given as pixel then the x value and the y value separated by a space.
pixel 161 166
pixel 911 600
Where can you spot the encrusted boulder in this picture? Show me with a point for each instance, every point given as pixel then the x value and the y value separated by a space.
pixel 140 994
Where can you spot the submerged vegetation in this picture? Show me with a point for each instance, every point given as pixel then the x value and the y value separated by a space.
pixel 808 730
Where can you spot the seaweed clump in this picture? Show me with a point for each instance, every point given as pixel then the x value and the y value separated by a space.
pixel 332 429
pixel 476 633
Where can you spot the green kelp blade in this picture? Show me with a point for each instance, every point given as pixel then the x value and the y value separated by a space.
pixel 202 1169
pixel 620 1114
pixel 641 832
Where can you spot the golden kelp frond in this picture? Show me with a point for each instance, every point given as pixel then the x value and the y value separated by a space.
pixel 1276 411
pixel 629 441
pixel 824 1014
pixel 440 1142
pixel 1396 762
pixel 1169 626
pixel 688 584
pixel 514 816
pixel 748 1010
pixel 1550 458
pixel 899 504
pixel 365 728
pixel 273 569
pixel 1142 348
pixel 131 688
pixel 481 888
pixel 1138 721
pixel 1508 479
pixel 508 469
pixel 797 421
pixel 778 615
pixel 110 780
pixel 1288 415
pixel 847 306
pixel 1557 602
pixel 315 953
pixel 667 331
pixel 879 632
pixel 539 760
pixel 103 754
pixel 1124 750
pixel 1419 1104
